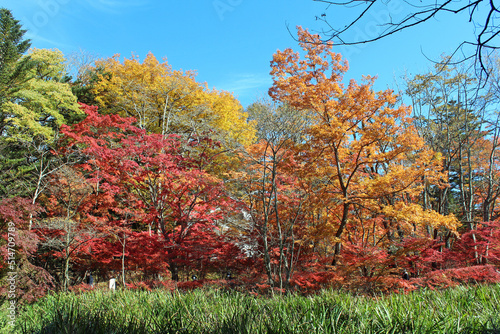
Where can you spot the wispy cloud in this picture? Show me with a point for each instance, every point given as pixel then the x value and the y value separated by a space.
pixel 247 87
pixel 37 39
pixel 245 83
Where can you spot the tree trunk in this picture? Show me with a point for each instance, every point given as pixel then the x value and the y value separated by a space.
pixel 343 223
pixel 66 273
pixel 123 260
pixel 174 271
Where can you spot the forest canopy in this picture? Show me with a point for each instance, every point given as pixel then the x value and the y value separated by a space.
pixel 134 170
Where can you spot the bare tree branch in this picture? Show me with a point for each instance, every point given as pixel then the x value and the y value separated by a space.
pixel 482 14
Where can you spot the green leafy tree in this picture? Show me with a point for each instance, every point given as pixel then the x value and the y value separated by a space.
pixel 35 113
pixel 449 115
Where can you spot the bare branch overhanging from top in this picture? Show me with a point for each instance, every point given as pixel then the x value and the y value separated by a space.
pixel 483 15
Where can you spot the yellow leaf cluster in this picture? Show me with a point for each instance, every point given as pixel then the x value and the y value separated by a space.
pixel 414 214
pixel 164 100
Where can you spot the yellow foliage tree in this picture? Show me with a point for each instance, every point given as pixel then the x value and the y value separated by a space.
pixel 164 100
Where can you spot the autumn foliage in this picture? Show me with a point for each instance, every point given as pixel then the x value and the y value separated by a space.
pixel 331 184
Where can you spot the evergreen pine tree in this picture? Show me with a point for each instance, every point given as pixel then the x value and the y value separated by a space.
pixel 34 102
pixel 14 71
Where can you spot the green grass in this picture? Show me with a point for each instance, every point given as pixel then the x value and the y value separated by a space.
pixel 458 310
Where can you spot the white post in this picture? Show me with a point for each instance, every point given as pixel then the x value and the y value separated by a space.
pixel 112 284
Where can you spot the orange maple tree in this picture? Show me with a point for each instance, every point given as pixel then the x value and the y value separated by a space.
pixel 365 162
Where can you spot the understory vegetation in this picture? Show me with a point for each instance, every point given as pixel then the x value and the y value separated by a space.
pixel 128 170
pixel 462 309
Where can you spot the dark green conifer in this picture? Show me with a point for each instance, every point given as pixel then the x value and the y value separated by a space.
pixel 14 71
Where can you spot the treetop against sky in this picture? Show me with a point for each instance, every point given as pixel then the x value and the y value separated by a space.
pixel 231 42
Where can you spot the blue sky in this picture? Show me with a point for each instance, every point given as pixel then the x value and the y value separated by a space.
pixel 229 43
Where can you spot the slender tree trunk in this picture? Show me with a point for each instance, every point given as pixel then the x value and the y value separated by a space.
pixel 38 190
pixel 487 250
pixel 123 259
pixel 338 235
pixel 267 258
pixel 67 256
pixel 174 271
pixel 281 239
pixel 66 271
pixel 166 120
pixel 266 205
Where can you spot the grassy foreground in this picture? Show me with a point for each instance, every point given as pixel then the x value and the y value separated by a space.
pixel 458 310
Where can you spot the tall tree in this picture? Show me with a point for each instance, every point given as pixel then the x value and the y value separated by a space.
pixel 362 150
pixel 450 116
pixel 489 170
pixel 154 177
pixel 164 100
pixel 63 233
pixel 273 194
pixel 168 101
pixel 83 75
pixel 31 128
pixel 13 71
